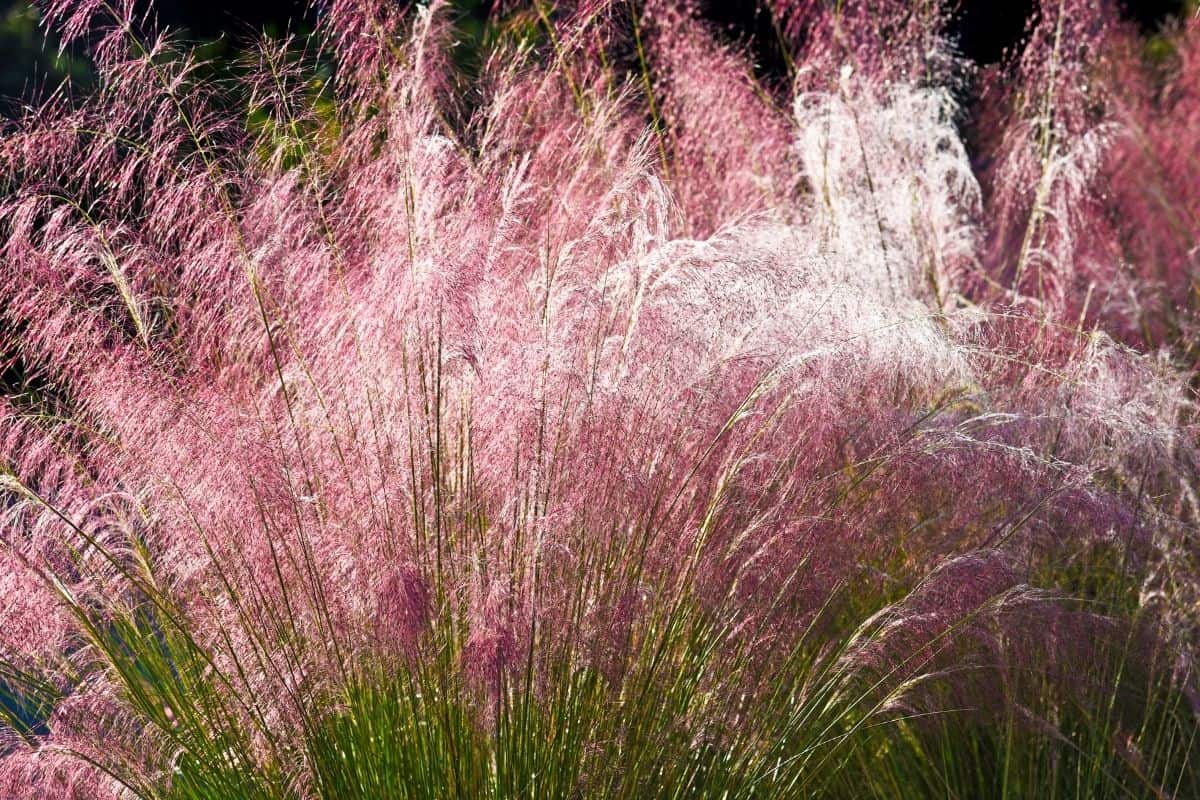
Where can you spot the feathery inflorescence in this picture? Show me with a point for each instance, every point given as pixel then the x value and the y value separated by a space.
pixel 615 417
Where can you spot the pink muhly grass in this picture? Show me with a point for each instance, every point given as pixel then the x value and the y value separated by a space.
pixel 740 418
pixel 1042 183
pixel 1151 183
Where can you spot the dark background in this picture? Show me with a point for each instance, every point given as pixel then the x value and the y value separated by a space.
pixel 29 62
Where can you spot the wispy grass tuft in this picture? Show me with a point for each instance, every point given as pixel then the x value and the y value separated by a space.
pixel 585 417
